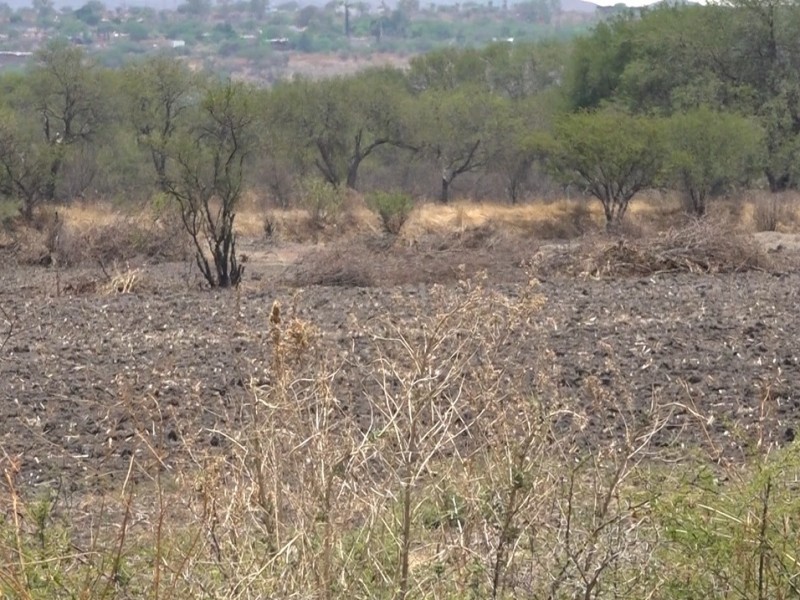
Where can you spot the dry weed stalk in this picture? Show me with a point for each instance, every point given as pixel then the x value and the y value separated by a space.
pixel 9 328
pixel 120 281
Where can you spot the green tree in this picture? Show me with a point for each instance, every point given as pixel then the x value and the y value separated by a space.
pixel 66 93
pixel 454 129
pixel 515 140
pixel 206 168
pixel 446 69
pixel 196 8
pixel 45 10
pixel 25 163
pixel 612 155
pixel 91 13
pixel 338 123
pixel 711 151
pixel 597 64
pixel 739 56
pixel 159 90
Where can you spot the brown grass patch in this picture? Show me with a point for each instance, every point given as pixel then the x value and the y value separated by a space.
pixel 300 226
pixel 562 219
pixel 88 233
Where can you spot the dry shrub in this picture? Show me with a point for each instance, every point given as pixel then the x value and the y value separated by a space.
pixel 122 240
pixel 703 246
pixel 455 481
pixel 122 281
pixel 434 258
pixel 773 212
pixel 81 235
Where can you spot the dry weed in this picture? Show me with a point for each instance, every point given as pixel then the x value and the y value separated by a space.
pixel 121 281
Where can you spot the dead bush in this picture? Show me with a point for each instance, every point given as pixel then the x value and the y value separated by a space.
pixel 702 246
pixel 772 212
pixel 120 241
pixel 301 226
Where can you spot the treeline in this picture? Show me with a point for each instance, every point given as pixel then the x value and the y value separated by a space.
pixel 702 99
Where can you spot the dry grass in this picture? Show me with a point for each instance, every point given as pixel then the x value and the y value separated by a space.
pixel 463 482
pixel 562 219
pixel 552 220
pixel 88 233
pixel 299 225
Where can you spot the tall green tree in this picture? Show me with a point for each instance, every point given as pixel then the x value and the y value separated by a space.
pixel 454 130
pixel 610 154
pixel 159 91
pixel 25 163
pixel 338 123
pixel 710 152
pixel 67 94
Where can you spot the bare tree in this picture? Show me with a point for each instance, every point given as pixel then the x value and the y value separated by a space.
pixel 205 175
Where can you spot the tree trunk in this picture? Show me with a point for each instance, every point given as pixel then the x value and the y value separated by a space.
pixel 445 195
pixel 352 172
pixel 778 182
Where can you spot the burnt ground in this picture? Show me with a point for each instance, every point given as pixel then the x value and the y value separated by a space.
pixel 96 387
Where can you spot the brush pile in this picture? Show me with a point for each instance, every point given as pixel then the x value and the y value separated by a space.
pixel 702 246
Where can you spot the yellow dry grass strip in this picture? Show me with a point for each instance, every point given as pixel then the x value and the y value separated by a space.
pixel 523 218
pixel 84 215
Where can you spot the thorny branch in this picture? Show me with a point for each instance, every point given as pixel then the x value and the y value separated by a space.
pixel 9 332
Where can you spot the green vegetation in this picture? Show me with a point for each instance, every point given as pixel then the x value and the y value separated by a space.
pixel 697 99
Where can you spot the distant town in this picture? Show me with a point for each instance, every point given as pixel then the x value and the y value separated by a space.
pixel 258 41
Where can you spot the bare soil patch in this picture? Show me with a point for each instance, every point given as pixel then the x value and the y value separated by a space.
pixel 98 386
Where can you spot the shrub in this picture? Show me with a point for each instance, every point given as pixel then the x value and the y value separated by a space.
pixel 393 209
pixel 771 212
pixel 322 200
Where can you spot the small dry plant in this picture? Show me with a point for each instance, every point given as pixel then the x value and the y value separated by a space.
pixel 772 212
pixel 121 281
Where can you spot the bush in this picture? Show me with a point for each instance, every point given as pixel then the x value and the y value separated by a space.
pixel 393 209
pixel 772 212
pixel 322 200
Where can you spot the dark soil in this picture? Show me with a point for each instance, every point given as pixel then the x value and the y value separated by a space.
pixel 96 388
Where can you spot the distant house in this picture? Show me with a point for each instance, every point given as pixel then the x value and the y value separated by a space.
pixel 280 43
pixel 177 43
